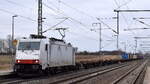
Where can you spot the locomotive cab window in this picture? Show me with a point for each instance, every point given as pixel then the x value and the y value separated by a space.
pixel 29 46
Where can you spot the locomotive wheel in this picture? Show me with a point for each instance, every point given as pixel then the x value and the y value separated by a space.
pixel 46 71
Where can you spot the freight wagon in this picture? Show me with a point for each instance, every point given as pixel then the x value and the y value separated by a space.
pixel 94 60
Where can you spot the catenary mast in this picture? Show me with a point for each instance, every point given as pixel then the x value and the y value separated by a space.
pixel 40 17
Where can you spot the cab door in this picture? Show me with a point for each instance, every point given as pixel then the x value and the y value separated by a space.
pixel 47 53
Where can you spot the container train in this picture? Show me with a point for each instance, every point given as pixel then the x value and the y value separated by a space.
pixel 50 55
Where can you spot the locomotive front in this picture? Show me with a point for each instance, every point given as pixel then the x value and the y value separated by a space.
pixel 27 56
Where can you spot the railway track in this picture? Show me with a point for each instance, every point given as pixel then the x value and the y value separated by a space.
pixel 132 76
pixel 113 77
pixel 69 77
pixel 9 77
pixel 84 77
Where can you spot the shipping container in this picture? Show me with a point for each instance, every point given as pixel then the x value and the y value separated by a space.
pixel 125 56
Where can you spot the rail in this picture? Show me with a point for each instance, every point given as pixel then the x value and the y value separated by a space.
pixel 83 77
pixel 131 76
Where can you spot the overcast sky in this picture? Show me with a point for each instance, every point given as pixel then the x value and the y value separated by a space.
pixel 81 13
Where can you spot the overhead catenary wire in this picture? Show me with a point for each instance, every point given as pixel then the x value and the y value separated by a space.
pixel 81 12
pixel 82 35
pixel 71 18
pixel 84 14
pixel 68 18
pixel 85 26
pixel 108 44
pixel 52 9
pixel 52 4
pixel 12 13
pixel 62 2
pixel 65 15
pixel 142 22
pixel 96 32
pixel 35 20
pixel 105 35
pixel 87 15
pixel 78 34
pixel 55 25
pixel 124 4
pixel 143 18
pixel 22 16
pixel 8 12
pixel 49 7
pixel 17 4
pixel 75 34
pixel 25 17
pixel 121 14
pixel 79 22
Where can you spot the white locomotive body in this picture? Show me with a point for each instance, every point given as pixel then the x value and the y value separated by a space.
pixel 43 55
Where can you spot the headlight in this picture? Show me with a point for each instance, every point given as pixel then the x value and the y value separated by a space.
pixel 17 61
pixel 36 61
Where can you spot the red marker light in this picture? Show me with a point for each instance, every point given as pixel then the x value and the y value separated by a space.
pixel 27 61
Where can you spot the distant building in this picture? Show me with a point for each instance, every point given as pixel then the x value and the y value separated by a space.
pixel 4 47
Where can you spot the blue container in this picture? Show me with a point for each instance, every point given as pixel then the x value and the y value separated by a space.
pixel 125 56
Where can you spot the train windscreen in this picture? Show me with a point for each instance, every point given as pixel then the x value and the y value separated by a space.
pixel 29 46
